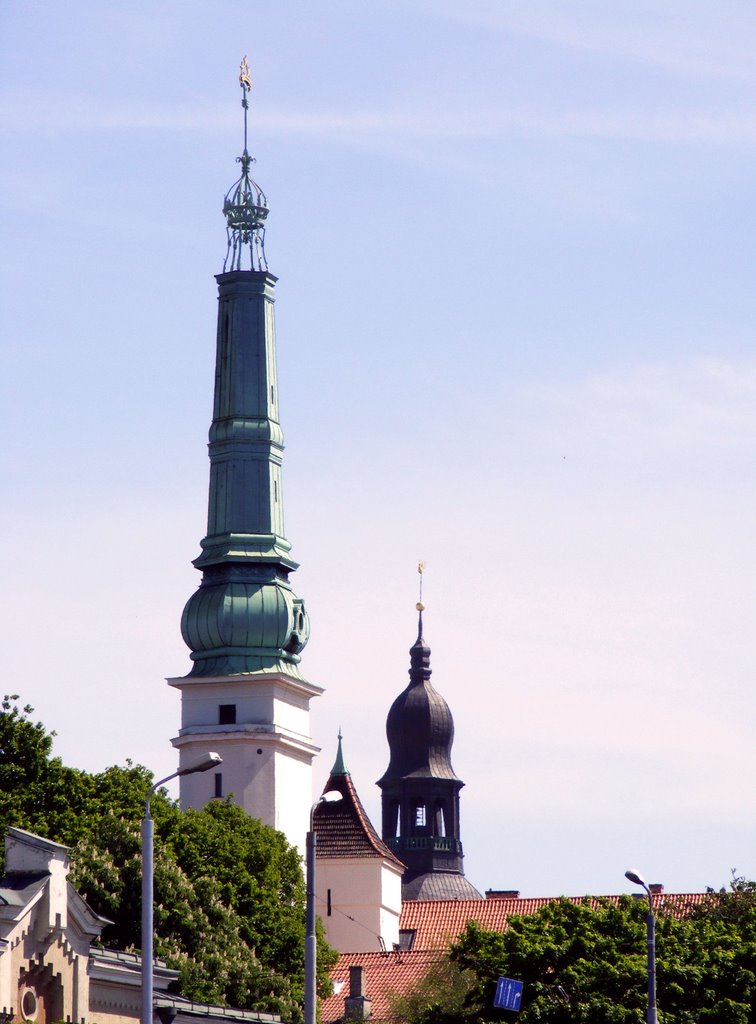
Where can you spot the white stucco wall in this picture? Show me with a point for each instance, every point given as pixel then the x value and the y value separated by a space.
pixel 267 753
pixel 365 889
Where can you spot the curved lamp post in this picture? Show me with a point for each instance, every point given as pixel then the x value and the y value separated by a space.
pixel 310 943
pixel 203 764
pixel 638 879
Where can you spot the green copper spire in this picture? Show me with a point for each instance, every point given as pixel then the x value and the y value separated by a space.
pixel 339 768
pixel 245 617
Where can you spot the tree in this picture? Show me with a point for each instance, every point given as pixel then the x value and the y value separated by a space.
pixel 229 891
pixel 586 962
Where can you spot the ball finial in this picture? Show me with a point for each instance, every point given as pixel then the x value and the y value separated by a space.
pixel 420 606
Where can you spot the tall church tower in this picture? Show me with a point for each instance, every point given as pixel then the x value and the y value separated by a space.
pixel 245 696
pixel 420 790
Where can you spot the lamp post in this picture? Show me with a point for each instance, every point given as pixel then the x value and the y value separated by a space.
pixel 205 763
pixel 638 879
pixel 310 944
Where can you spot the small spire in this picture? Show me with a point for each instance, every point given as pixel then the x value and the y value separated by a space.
pixel 339 768
pixel 420 606
pixel 245 206
pixel 420 670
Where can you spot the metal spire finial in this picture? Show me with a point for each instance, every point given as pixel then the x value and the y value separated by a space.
pixel 339 768
pixel 420 606
pixel 245 206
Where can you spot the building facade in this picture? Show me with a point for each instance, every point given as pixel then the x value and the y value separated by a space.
pixel 52 967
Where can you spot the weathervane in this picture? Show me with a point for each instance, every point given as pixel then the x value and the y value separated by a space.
pixel 245 206
pixel 421 569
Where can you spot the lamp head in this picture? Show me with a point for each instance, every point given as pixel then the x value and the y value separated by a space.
pixel 202 764
pixel 636 877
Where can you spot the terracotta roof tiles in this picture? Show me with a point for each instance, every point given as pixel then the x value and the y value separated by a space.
pixel 436 924
pixel 385 973
pixel 343 829
pixel 439 922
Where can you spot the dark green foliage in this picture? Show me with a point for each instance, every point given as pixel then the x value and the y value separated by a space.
pixel 586 962
pixel 229 891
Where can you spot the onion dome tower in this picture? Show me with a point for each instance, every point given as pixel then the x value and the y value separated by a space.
pixel 420 790
pixel 245 627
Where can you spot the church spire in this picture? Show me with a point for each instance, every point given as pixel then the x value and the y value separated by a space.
pixel 420 790
pixel 244 625
pixel 245 617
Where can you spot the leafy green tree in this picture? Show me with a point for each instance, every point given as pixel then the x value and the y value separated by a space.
pixel 229 891
pixel 586 962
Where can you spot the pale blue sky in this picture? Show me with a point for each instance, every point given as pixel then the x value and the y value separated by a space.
pixel 517 330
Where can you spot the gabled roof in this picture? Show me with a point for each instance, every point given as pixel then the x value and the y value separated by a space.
pixel 342 828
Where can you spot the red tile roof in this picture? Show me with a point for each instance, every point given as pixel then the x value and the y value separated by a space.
pixel 436 924
pixel 385 973
pixel 343 829
pixel 439 922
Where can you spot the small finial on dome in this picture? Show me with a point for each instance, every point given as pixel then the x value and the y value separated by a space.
pixel 245 206
pixel 420 606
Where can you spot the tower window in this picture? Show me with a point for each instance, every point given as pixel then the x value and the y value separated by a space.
pixel 226 714
pixel 440 822
pixel 218 785
pixel 329 910
pixel 420 821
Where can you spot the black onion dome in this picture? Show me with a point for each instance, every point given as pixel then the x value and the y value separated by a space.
pixel 420 727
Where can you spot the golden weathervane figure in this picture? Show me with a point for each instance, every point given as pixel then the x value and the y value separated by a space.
pixel 245 78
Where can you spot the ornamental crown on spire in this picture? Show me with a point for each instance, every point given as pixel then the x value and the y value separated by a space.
pixel 245 206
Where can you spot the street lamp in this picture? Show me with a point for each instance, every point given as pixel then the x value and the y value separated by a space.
pixel 331 797
pixel 204 764
pixel 638 879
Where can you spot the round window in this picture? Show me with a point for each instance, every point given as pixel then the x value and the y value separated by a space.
pixel 29 1005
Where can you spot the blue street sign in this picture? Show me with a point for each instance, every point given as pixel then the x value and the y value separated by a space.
pixel 508 994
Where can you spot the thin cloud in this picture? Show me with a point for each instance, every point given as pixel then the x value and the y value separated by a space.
pixel 676 47
pixel 701 405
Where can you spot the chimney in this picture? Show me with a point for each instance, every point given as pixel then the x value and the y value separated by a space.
pixel 655 888
pixel 357 1006
pixel 502 894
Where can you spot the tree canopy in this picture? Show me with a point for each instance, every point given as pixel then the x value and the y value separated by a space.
pixel 586 962
pixel 229 891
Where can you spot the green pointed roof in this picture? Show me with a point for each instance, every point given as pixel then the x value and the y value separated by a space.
pixel 339 768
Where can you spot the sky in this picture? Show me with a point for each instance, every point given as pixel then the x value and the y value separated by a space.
pixel 516 338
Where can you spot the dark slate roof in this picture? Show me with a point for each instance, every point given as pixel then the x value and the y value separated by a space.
pixel 419 727
pixel 343 829
pixel 439 885
pixel 17 889
pixel 168 1007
